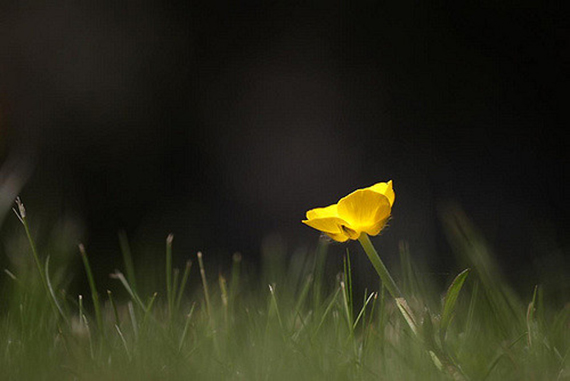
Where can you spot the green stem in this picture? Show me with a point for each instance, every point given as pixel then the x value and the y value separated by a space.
pixel 441 361
pixel 379 266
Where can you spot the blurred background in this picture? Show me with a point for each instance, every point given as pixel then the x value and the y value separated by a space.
pixel 224 122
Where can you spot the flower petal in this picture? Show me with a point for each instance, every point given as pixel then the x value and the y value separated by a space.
pixel 386 189
pixel 326 224
pixel 338 237
pixel 329 211
pixel 365 210
pixel 376 227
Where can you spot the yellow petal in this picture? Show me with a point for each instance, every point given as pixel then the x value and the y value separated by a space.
pixel 376 227
pixel 338 237
pixel 364 210
pixel 386 189
pixel 326 224
pixel 329 211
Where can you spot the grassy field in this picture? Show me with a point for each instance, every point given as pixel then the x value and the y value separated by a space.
pixel 293 322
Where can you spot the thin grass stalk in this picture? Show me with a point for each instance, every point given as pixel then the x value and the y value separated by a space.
pixel 114 307
pixel 80 305
pixel 362 313
pixel 276 308
pixel 318 271
pixel 208 304
pixel 128 259
pixel 348 291
pixel 119 275
pixel 186 326
pixel 23 219
pixel 92 286
pixel 169 294
pixel 204 284
pixel 303 295
pixel 382 317
pixel 52 292
pixel 148 311
pixel 133 317
pixel 327 311
pixel 185 276
pixel 124 341
pixel 86 323
pixel 234 283
pixel 370 323
pixel 175 286
pixel 224 296
pixel 530 319
pixel 347 309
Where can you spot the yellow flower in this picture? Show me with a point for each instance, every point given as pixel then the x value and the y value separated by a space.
pixel 363 211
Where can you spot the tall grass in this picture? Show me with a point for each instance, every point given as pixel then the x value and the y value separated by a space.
pixel 305 326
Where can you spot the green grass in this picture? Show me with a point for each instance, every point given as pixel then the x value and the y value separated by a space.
pixel 295 321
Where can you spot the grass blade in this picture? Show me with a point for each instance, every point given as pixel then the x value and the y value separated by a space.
pixel 119 275
pixel 347 309
pixel 303 295
pixel 451 300
pixel 234 283
pixel 361 313
pixel 410 286
pixel 134 322
pixel 11 275
pixel 204 284
pixel 89 336
pixel 406 312
pixel 128 259
pixel 185 276
pixel 125 345
pixel 186 325
pixel 275 307
pixel 148 311
pixel 327 311
pixel 530 321
pixel 21 214
pixel 348 291
pixel 52 293
pixel 175 286
pixel 94 293
pixel 224 295
pixel 318 271
pixel 114 307
pixel 169 293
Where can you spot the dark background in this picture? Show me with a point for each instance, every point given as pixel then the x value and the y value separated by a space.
pixel 223 123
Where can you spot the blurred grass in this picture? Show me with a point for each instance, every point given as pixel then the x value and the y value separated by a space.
pixel 292 321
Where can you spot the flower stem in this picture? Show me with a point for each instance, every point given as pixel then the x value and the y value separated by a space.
pixel 441 361
pixel 379 266
pixel 388 282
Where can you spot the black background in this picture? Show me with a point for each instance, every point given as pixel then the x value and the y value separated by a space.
pixel 223 123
